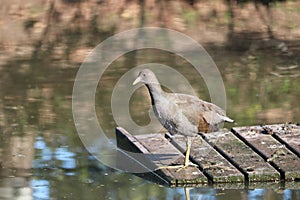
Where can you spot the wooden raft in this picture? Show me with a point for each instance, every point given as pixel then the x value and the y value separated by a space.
pixel 244 156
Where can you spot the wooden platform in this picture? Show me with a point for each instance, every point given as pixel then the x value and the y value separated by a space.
pixel 245 156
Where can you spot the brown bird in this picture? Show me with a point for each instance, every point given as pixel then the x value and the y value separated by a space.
pixel 182 114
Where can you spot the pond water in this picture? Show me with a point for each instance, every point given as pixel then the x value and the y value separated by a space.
pixel 41 154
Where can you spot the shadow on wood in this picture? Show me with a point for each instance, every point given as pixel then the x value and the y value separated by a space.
pixel 246 157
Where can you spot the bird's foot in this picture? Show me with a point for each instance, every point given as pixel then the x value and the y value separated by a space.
pixel 170 167
pixel 189 164
pixel 178 167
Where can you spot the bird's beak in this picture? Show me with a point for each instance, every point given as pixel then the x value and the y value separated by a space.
pixel 137 80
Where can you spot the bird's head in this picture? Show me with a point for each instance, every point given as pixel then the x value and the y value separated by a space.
pixel 147 77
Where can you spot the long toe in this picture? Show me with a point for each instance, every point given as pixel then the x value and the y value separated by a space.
pixel 186 166
pixel 178 167
pixel 170 167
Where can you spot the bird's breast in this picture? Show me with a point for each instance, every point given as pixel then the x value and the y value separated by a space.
pixel 173 118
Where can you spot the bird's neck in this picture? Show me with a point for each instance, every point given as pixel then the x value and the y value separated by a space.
pixel 155 91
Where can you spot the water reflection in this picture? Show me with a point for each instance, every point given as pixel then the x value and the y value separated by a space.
pixel 44 155
pixel 40 189
pixel 59 157
pixel 42 45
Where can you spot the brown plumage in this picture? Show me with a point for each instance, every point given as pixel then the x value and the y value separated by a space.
pixel 181 113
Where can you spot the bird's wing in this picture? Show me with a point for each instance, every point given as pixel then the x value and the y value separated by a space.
pixel 193 108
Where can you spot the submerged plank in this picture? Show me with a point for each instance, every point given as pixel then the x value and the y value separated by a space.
pixel 273 152
pixel 243 157
pixel 216 167
pixel 129 151
pixel 161 153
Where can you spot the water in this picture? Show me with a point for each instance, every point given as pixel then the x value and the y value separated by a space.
pixel 41 155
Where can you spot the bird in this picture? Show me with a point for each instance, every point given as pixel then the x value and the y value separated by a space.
pixel 181 114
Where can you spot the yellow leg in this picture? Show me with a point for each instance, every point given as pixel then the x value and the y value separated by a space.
pixel 186 160
pixel 187 193
pixel 188 151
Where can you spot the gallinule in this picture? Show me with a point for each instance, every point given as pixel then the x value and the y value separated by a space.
pixel 181 113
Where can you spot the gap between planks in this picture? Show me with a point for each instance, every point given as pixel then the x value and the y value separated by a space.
pixel 238 134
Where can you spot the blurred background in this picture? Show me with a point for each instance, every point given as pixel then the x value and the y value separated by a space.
pixel 255 44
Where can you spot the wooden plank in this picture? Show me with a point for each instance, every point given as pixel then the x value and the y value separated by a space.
pixel 277 154
pixel 243 157
pixel 213 165
pixel 247 158
pixel 161 153
pixel 291 185
pixel 141 165
pixel 165 154
pixel 287 134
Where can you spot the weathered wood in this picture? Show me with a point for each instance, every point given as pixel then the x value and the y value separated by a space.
pixel 128 154
pixel 246 157
pixel 213 165
pixel 165 154
pixel 287 134
pixel 241 156
pixel 273 152
pixel 160 152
